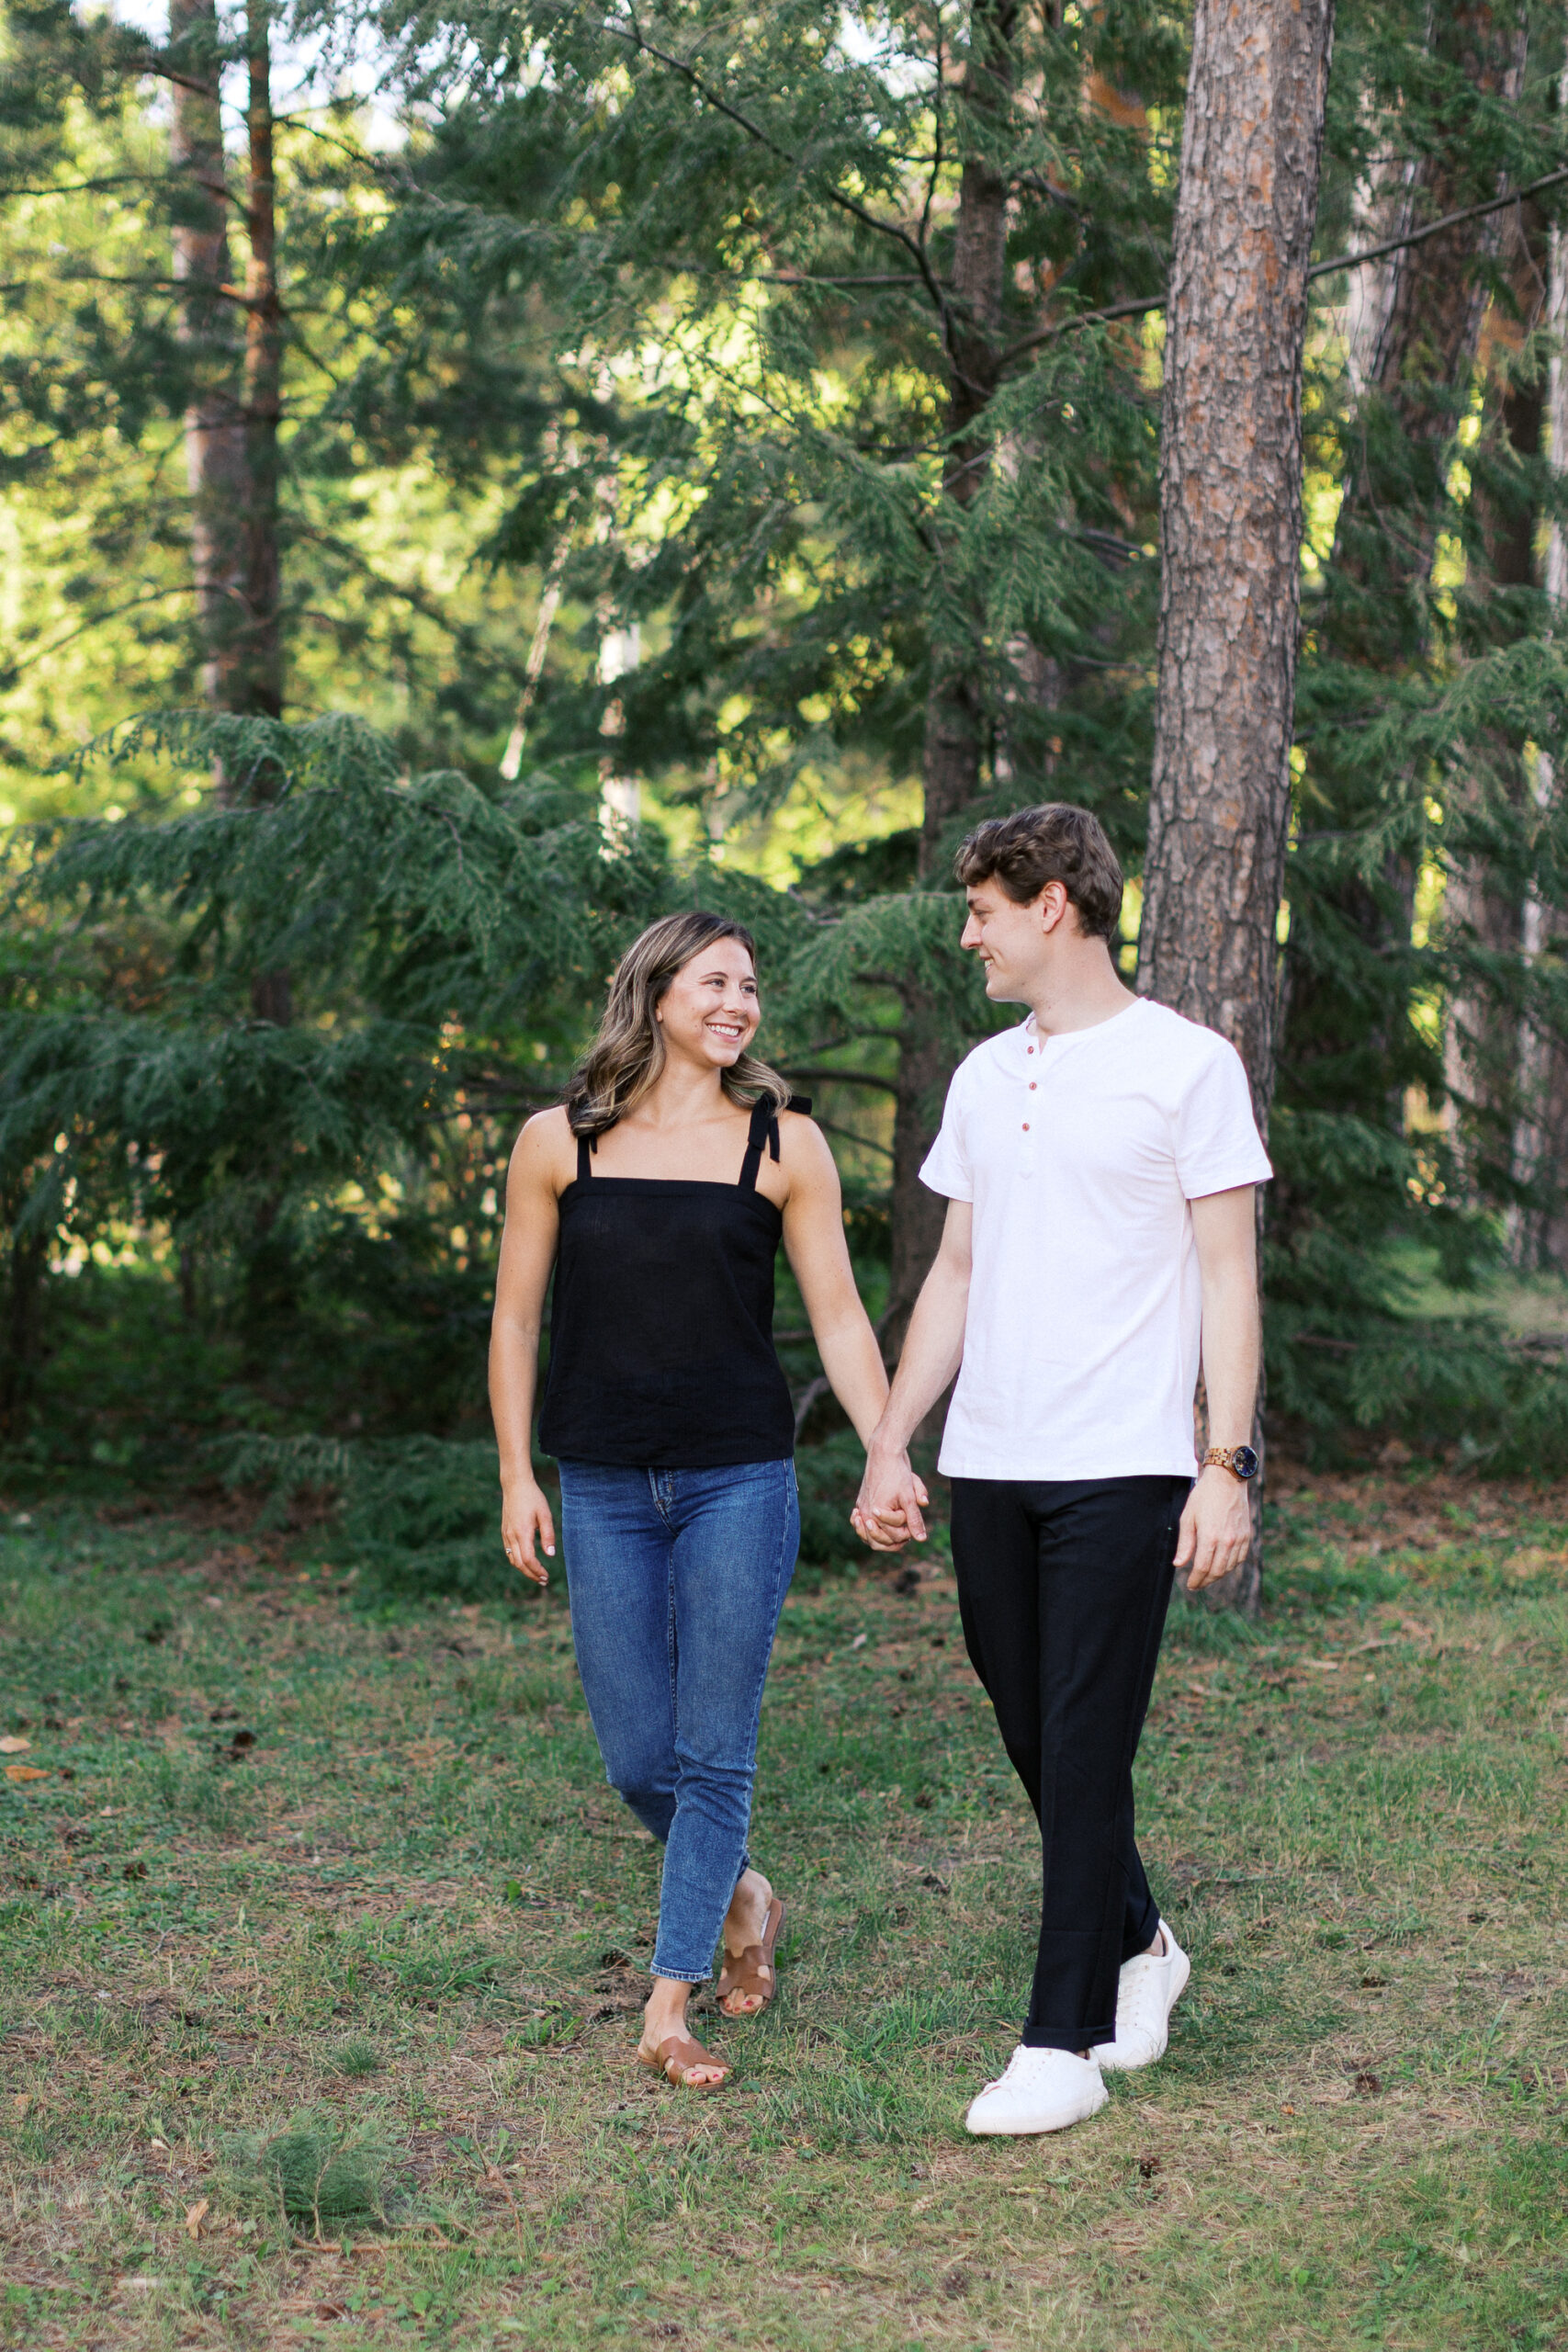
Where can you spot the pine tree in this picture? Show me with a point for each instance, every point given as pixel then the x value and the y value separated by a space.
pixel 830 362
pixel 881 479
pixel 1231 534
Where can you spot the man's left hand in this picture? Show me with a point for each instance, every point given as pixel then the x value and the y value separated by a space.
pixel 1215 1536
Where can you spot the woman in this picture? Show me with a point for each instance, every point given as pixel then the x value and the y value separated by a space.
pixel 659 1192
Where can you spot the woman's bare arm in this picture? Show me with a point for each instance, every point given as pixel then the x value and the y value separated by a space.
pixel 528 1254
pixel 814 1238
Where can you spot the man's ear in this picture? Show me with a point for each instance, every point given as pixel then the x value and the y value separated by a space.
pixel 1053 903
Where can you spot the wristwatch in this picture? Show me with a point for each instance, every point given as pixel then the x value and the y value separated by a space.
pixel 1241 1461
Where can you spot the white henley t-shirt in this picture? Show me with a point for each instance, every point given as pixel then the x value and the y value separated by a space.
pixel 1080 1153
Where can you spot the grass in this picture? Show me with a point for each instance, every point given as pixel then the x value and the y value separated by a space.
pixel 320 1938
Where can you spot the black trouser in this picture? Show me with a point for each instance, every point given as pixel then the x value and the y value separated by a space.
pixel 1062 1586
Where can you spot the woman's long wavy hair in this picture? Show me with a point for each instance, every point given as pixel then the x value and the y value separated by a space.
pixel 627 1055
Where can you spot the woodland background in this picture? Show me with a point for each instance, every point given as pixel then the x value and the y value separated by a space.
pixel 471 480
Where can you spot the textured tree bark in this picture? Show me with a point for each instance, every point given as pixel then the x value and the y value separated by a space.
pixel 1231 528
pixel 955 718
pixel 260 689
pixel 214 428
pixel 254 685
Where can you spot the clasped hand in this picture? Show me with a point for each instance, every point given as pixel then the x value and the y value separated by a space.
pixel 886 1513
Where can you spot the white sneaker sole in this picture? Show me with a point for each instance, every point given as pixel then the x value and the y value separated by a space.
pixel 1016 2122
pixel 1181 1976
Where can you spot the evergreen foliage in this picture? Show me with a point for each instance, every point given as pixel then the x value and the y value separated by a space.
pixel 653 318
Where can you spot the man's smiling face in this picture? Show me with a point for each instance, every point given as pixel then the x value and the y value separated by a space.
pixel 1011 941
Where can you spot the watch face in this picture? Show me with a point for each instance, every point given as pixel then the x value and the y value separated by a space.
pixel 1245 1462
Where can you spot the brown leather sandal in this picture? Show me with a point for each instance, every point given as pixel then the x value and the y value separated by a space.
pixel 675 2054
pixel 752 1971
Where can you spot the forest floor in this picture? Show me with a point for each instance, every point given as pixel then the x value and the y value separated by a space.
pixel 320 1936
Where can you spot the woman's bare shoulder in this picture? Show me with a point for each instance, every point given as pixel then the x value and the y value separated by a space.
pixel 545 1145
pixel 803 1147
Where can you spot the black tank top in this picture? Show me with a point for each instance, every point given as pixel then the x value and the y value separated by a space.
pixel 661 1320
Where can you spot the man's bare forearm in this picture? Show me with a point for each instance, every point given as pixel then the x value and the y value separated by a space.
pixel 1232 1357
pixel 933 1349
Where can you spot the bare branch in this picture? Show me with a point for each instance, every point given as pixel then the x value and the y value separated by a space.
pixel 1141 308
pixel 97 621
pixel 844 1077
pixel 1436 227
pixel 88 188
pixel 938 94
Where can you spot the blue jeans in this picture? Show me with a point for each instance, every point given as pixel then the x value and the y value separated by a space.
pixel 676 1579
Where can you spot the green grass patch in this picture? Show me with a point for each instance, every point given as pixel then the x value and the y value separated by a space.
pixel 321 1942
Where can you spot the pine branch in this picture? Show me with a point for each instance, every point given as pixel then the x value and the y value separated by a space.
pixel 635 38
pixel 459 632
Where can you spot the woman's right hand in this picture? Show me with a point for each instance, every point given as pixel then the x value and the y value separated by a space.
pixel 528 1529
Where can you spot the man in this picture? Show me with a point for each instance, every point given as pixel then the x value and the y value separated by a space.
pixel 1098 1162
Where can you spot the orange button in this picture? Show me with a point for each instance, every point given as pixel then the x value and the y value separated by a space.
pixel 1026 1127
pixel 1033 1084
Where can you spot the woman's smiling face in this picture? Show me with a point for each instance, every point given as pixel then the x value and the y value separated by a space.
pixel 710 1011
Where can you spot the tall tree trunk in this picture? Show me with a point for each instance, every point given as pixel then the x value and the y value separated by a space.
pixel 955 713
pixel 1231 529
pixel 21 1323
pixel 1413 362
pixel 1489 1048
pixel 214 428
pixel 1539 1234
pixel 260 688
pixel 254 685
pixel 1412 322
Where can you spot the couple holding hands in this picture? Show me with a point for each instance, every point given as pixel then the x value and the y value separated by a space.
pixel 1098 1162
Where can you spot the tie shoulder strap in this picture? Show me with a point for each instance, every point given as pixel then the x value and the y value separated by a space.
pixel 761 1121
pixel 765 1128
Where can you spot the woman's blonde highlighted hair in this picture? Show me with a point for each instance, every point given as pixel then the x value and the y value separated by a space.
pixel 627 1055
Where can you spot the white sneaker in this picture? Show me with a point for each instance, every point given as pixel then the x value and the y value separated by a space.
pixel 1043 2091
pixel 1149 1989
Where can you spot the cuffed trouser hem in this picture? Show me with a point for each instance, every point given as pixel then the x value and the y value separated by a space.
pixel 1139 1939
pixel 677 1975
pixel 1073 2038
